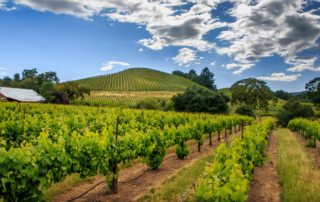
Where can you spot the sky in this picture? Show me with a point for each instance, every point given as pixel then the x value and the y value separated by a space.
pixel 277 41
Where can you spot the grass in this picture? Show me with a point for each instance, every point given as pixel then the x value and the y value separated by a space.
pixel 173 188
pixel 299 176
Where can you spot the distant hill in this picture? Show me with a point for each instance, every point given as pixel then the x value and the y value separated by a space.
pixel 298 93
pixel 226 91
pixel 137 79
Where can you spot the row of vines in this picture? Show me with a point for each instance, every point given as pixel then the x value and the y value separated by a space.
pixel 228 176
pixel 40 144
pixel 137 79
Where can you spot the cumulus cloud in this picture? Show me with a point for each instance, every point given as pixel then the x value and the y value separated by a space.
pixel 167 26
pixel 280 77
pixel 2 68
pixel 187 65
pixel 140 49
pixel 242 67
pixel 139 27
pixel 213 63
pixel 110 65
pixel 3 73
pixel 185 56
pixel 222 65
pixel 272 27
pixel 197 63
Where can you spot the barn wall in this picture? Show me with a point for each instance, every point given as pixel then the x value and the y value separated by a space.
pixel 2 96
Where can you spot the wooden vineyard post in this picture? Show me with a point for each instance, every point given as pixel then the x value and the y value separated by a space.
pixel 242 129
pixel 225 131
pixel 210 139
pixel 218 135
pixel 114 189
pixel 142 118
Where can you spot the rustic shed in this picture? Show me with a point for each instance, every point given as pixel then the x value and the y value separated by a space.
pixel 20 95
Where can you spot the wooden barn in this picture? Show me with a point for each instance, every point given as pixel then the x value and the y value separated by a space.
pixel 19 95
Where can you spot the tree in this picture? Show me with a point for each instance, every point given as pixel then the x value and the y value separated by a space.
pixel 206 79
pixel 16 77
pixel 179 73
pixel 46 91
pixel 6 81
pixel 192 75
pixel 198 99
pixel 313 88
pixel 60 97
pixel 47 77
pixel 275 100
pixel 291 110
pixel 246 110
pixel 29 73
pixel 73 90
pixel 251 92
pixel 29 84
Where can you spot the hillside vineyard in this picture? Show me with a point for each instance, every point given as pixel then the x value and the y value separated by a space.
pixel 137 79
pixel 41 144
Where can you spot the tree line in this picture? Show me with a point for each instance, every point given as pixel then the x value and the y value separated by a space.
pixel 47 85
pixel 204 79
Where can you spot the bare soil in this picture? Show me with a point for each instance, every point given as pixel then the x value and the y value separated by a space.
pixel 133 191
pixel 313 152
pixel 265 186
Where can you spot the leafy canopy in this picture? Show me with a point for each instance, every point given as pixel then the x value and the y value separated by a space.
pixel 197 99
pixel 251 92
pixel 293 109
pixel 73 89
pixel 246 110
pixel 314 90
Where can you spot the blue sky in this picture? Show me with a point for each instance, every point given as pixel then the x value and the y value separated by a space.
pixel 273 40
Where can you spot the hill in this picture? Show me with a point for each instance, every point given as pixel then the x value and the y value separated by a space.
pixel 137 79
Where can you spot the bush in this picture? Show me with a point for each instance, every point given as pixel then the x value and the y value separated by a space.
pixel 246 110
pixel 198 99
pixel 293 109
pixel 60 97
pixel 147 103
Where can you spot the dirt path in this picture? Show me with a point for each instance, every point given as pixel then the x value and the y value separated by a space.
pixel 132 191
pixel 265 186
pixel 313 152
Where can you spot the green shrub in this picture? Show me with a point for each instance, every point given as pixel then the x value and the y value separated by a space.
pixel 147 103
pixel 293 109
pixel 246 110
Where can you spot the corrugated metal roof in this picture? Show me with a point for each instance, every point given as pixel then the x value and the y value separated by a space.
pixel 22 95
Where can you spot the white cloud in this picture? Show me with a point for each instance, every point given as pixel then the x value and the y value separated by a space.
pixel 140 49
pixel 222 65
pixel 167 58
pixel 109 65
pixel 280 77
pixel 139 27
pixel 3 73
pixel 111 24
pixel 197 63
pixel 187 65
pixel 213 63
pixel 271 27
pixel 167 26
pixel 242 67
pixel 201 58
pixel 2 68
pixel 209 52
pixel 185 56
